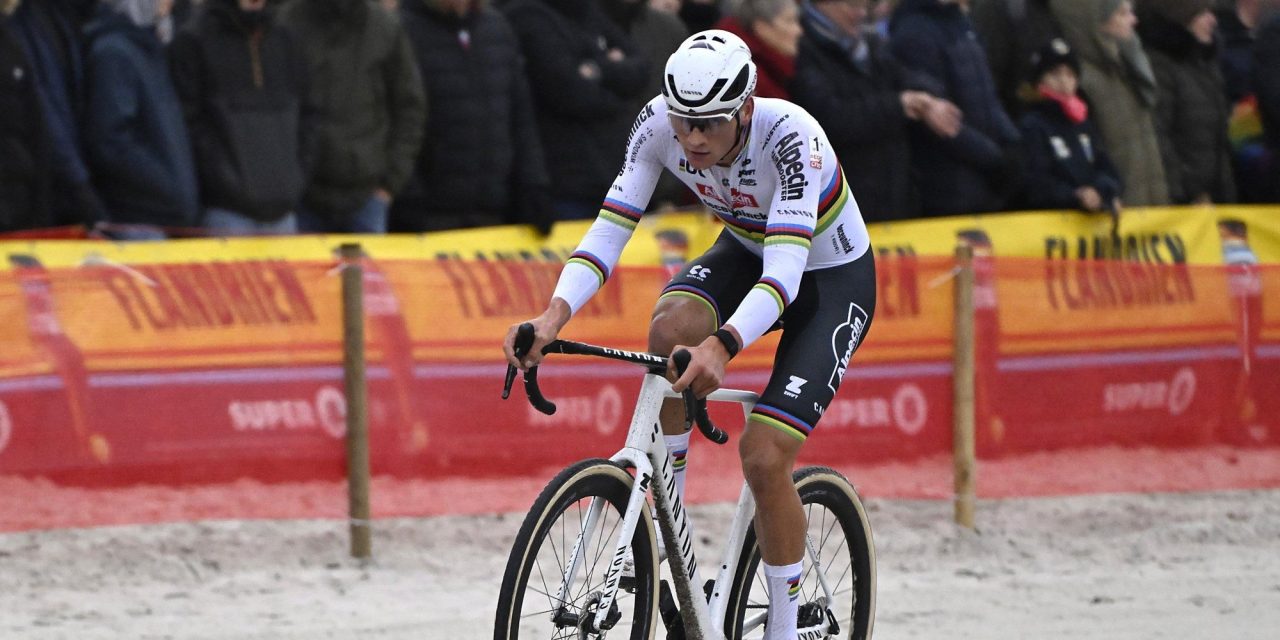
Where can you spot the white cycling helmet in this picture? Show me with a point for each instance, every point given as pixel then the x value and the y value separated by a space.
pixel 710 75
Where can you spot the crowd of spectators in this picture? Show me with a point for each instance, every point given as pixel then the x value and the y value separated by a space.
pixel 151 118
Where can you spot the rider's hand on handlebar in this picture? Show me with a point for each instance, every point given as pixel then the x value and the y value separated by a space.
pixel 546 327
pixel 706 368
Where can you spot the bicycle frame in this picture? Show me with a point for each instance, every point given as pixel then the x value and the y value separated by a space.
pixel 646 452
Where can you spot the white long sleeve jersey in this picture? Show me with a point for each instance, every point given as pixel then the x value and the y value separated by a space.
pixel 784 198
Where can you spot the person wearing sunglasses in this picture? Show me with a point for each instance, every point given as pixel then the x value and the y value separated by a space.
pixel 794 251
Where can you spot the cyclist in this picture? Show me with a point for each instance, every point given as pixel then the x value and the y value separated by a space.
pixel 794 249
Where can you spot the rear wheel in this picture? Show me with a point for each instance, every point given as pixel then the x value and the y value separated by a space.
pixel 530 605
pixel 840 548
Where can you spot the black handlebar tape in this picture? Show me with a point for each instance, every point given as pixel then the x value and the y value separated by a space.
pixel 531 389
pixel 695 409
pixel 711 431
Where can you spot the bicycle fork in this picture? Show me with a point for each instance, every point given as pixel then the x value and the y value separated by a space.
pixel 631 519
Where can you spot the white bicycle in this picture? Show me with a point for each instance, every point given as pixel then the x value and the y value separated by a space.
pixel 565 576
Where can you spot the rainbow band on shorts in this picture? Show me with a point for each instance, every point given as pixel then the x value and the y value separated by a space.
pixel 620 213
pixel 687 291
pixel 782 421
pixel 592 262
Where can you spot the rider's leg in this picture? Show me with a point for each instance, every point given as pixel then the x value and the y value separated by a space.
pixel 768 455
pixel 678 320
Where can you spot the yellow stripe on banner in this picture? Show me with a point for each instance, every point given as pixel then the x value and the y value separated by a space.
pixel 1151 234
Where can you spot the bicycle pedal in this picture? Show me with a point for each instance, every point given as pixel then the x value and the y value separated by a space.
pixel 812 615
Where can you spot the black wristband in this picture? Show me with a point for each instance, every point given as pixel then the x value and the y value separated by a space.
pixel 726 338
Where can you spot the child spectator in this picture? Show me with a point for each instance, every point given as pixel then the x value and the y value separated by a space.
pixel 1116 75
pixel 1067 165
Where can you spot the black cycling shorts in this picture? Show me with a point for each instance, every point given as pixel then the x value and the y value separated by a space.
pixel 821 329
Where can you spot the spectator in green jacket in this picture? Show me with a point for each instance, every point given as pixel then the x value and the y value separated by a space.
pixel 372 112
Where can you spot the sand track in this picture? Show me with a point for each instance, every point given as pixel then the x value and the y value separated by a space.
pixel 1203 565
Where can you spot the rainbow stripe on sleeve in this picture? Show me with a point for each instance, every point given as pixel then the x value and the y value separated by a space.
pixel 620 213
pixel 591 262
pixel 793 234
pixel 832 201
pixel 775 289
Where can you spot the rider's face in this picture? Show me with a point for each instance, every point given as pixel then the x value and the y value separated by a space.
pixel 707 141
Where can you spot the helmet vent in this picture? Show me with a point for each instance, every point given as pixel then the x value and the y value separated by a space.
pixel 738 85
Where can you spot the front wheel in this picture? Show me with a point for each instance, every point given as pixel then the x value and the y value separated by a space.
pixel 551 591
pixel 839 552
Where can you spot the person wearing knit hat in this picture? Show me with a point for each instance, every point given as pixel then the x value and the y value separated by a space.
pixel 1067 164
pixel 1192 108
pixel 1116 75
pixel 1054 54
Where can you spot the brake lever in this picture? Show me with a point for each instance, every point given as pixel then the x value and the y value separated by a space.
pixel 695 409
pixel 523 343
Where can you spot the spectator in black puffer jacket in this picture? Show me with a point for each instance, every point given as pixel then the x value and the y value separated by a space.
pixel 50 32
pixel 481 163
pixel 243 83
pixel 977 170
pixel 1191 106
pixel 1067 163
pixel 583 73
pixel 25 151
pixel 865 101
pixel 137 144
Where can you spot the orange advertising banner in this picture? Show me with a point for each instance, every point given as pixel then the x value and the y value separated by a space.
pixel 212 357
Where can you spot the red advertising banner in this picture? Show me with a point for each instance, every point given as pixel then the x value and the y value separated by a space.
pixel 196 371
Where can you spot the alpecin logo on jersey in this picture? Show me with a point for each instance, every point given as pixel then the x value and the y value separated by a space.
pixel 844 340
pixel 740 198
pixel 787 156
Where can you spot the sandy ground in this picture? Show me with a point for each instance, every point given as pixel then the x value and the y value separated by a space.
pixel 1134 566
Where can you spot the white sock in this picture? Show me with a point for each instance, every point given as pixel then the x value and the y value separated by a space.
pixel 678 447
pixel 784 592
